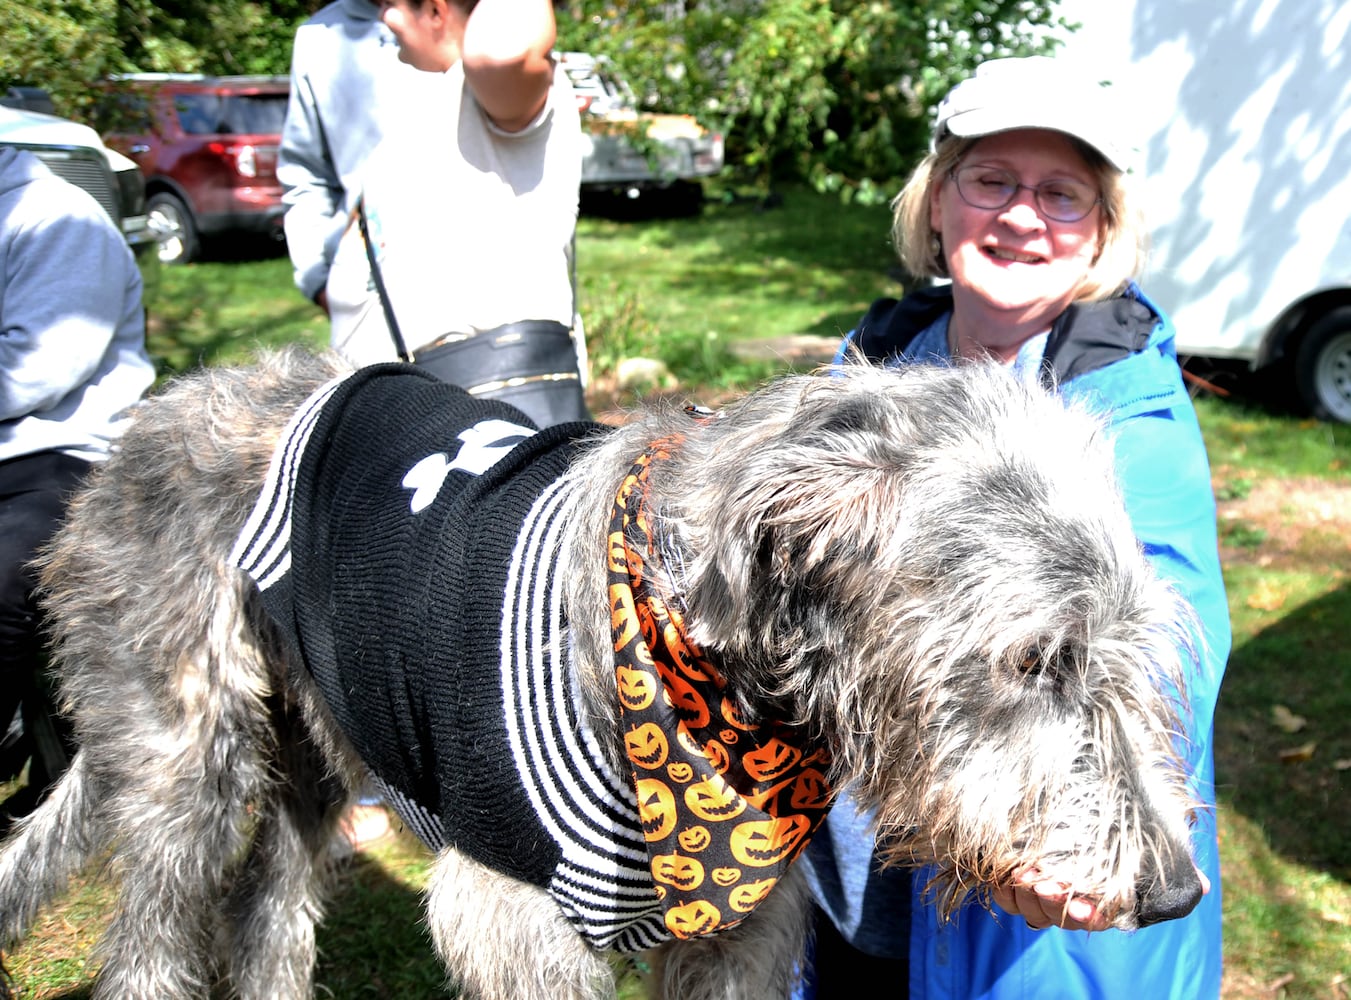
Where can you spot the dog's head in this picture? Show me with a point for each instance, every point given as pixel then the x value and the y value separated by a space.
pixel 933 569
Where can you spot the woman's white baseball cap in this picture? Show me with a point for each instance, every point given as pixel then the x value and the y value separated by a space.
pixel 1034 92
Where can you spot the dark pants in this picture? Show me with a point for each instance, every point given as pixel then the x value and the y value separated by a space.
pixel 34 490
pixel 839 971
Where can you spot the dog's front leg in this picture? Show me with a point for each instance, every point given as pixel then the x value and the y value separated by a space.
pixel 759 959
pixel 501 939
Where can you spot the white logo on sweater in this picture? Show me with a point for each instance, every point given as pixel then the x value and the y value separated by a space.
pixel 482 446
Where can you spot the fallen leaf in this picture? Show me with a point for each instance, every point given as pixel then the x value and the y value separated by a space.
pixel 1342 765
pixel 1287 720
pixel 1276 985
pixel 1296 755
pixel 1266 596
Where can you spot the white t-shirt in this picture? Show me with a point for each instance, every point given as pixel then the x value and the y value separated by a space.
pixel 473 225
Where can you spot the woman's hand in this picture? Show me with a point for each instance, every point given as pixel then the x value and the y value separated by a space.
pixel 1043 901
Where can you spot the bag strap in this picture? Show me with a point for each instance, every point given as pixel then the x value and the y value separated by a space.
pixel 399 346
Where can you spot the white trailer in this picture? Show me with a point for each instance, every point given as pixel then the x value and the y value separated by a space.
pixel 1242 114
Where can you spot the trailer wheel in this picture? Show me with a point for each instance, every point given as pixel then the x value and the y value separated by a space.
pixel 1323 367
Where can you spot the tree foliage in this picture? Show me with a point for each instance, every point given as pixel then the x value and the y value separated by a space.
pixel 68 46
pixel 837 92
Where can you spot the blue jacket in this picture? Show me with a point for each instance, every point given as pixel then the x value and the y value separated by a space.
pixel 1118 357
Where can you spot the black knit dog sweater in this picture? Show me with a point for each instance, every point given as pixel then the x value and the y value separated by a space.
pixel 404 543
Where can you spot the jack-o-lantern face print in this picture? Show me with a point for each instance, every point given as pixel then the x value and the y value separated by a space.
pixel 773 758
pixel 717 756
pixel 623 616
pixel 726 876
pixel 685 655
pixel 714 799
pixel 745 898
pixel 733 714
pixel 766 798
pixel 646 746
pixel 764 842
pixel 694 839
pixel 810 790
pixel 713 783
pixel 690 920
pixel 713 753
pixel 688 703
pixel 615 553
pixel 647 624
pixel 637 687
pixel 678 871
pixel 656 808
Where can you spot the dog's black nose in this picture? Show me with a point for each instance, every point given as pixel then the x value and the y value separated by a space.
pixel 1168 898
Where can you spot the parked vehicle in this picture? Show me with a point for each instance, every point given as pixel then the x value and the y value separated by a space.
pixel 75 152
pixel 1246 176
pixel 635 153
pixel 29 99
pixel 208 148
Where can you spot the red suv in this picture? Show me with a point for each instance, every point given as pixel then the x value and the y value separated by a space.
pixel 207 146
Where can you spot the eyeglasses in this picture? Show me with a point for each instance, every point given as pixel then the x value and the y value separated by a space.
pixel 990 187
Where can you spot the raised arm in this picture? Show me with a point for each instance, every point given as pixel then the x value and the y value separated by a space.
pixel 508 63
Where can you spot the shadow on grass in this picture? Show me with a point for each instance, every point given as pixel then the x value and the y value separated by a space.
pixel 209 313
pixel 681 200
pixel 1271 390
pixel 236 247
pixel 374 942
pixel 1291 784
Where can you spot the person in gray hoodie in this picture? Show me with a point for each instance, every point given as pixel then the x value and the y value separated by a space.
pixel 72 362
pixel 347 87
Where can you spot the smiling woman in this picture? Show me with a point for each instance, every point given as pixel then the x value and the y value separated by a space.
pixel 1024 206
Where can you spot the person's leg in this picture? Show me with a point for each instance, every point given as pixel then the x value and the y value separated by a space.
pixel 33 494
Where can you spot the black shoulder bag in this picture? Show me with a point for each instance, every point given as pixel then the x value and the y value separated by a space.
pixel 531 364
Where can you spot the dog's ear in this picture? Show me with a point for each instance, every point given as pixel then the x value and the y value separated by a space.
pixel 785 529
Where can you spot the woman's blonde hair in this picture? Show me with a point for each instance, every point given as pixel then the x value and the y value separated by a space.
pixel 1121 233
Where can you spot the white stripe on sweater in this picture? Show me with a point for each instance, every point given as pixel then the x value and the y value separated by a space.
pixel 603 883
pixel 263 549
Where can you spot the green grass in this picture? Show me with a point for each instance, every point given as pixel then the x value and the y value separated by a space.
pixel 802 265
pixel 1285 835
pixel 1267 443
pixel 1290 650
pixel 678 290
pixel 684 290
pixel 224 311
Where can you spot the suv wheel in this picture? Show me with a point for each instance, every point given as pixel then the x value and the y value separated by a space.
pixel 171 222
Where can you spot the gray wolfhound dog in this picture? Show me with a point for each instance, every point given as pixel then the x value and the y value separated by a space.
pixel 611 675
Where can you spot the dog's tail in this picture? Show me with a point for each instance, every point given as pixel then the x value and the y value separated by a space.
pixel 47 849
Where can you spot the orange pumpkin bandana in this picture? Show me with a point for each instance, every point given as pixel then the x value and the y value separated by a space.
pixel 726 803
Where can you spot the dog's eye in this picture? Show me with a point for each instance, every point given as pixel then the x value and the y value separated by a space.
pixel 1046 669
pixel 1045 665
pixel 1032 662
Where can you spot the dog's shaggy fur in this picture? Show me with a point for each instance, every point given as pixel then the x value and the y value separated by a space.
pixel 930 569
